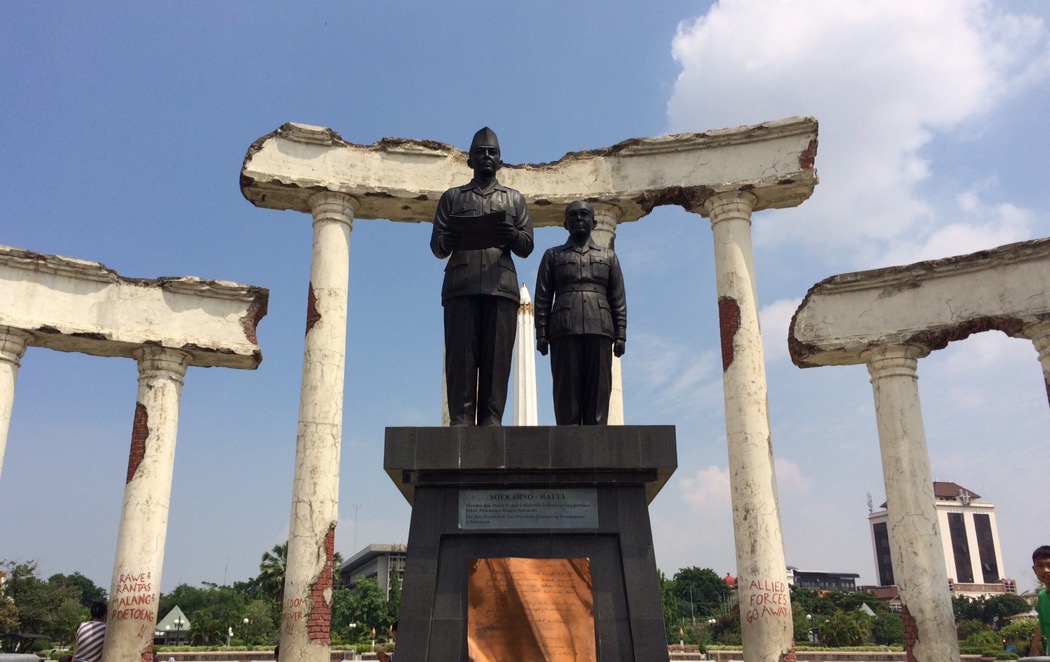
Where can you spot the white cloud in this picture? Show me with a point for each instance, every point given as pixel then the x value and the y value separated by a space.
pixel 789 476
pixel 980 226
pixel 882 78
pixel 707 489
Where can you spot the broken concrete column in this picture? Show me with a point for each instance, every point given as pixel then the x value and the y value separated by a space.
pixel 1040 337
pixel 166 324
pixel 12 346
pixel 607 217
pixel 888 318
pixel 765 606
pixel 915 543
pixel 306 611
pixel 135 589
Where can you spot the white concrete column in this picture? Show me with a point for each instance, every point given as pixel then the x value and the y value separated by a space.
pixel 139 559
pixel 765 607
pixel 13 344
pixel 607 217
pixel 1039 334
pixel 306 611
pixel 915 543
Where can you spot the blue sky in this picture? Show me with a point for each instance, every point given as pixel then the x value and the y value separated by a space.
pixel 124 127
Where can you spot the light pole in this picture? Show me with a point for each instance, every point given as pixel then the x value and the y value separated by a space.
pixel 178 630
pixel 247 622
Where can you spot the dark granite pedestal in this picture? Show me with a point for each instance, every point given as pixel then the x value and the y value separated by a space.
pixel 609 474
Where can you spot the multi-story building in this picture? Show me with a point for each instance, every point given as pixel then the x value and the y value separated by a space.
pixel 383 563
pixel 822 581
pixel 969 537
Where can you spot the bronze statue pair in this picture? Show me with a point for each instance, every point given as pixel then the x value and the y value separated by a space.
pixel 580 304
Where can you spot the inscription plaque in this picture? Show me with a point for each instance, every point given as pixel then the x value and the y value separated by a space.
pixel 529 509
pixel 530 610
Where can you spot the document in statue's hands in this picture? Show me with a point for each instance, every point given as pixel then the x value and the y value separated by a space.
pixel 485 231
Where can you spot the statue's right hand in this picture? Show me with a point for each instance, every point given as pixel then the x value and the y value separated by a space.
pixel 452 240
pixel 542 346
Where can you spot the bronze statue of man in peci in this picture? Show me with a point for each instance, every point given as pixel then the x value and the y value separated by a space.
pixel 477 226
pixel 581 316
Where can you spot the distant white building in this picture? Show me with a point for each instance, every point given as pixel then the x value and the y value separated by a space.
pixel 969 537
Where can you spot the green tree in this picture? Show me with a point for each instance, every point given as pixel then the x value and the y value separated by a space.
pixel 8 616
pixel 669 601
pixel 187 598
pixel 260 627
pixel 344 627
pixel 726 630
pixel 53 611
pixel 271 571
pixel 887 629
pixel 700 593
pixel 846 628
pixel 999 608
pixel 393 601
pixel 990 611
pixel 88 591
pixel 366 607
pixel 965 628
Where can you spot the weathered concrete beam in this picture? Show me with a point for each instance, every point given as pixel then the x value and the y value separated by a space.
pixel 74 305
pixel 402 179
pixel 927 303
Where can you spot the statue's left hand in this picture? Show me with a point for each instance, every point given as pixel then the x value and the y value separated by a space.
pixel 619 347
pixel 542 346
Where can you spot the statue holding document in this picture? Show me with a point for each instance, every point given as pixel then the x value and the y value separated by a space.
pixel 477 226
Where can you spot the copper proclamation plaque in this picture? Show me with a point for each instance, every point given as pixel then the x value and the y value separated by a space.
pixel 530 610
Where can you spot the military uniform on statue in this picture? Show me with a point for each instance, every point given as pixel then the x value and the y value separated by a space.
pixel 581 315
pixel 477 226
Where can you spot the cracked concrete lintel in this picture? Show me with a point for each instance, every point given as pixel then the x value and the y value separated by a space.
pixel 928 303
pixel 75 305
pixel 401 179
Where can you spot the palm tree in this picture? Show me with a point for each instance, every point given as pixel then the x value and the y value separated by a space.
pixel 271 571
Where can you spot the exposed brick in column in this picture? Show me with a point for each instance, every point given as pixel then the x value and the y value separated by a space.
pixel 789 656
pixel 139 434
pixel 312 314
pixel 319 619
pixel 147 653
pixel 728 325
pixel 911 633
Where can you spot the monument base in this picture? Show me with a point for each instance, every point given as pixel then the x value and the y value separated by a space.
pixel 492 496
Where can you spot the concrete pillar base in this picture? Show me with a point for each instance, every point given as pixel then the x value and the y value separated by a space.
pixel 611 473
